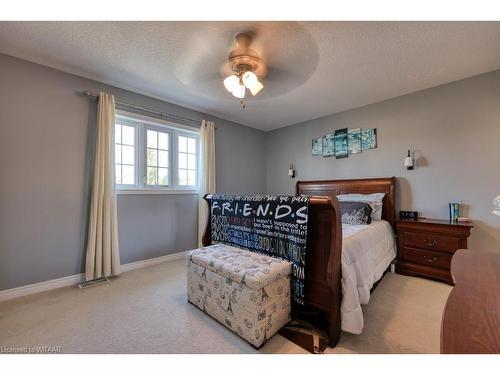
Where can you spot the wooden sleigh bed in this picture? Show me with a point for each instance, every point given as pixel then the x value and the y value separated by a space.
pixel 323 287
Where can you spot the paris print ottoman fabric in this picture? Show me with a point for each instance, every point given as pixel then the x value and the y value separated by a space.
pixel 249 293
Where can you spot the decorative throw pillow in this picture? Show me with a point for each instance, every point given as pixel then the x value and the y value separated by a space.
pixel 375 200
pixel 356 213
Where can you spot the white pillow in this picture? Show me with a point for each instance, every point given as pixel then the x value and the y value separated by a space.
pixel 374 200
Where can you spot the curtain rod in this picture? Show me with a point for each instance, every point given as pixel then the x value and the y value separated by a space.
pixel 92 95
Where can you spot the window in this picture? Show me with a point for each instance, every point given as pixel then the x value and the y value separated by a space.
pixel 155 155
pixel 187 147
pixel 157 145
pixel 125 160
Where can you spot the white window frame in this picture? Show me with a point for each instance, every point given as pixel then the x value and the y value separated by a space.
pixel 176 150
pixel 141 124
pixel 144 166
pixel 135 186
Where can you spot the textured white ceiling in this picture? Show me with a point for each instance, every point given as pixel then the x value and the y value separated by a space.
pixel 315 68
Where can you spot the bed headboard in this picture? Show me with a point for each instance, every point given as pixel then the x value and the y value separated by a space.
pixel 358 186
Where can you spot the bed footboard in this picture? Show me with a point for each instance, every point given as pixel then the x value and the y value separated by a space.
pixel 323 262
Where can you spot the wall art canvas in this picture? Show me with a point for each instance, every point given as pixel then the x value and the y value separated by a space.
pixel 341 149
pixel 317 146
pixel 329 145
pixel 354 141
pixel 368 139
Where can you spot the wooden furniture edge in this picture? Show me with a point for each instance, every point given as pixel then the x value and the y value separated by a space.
pixel 470 322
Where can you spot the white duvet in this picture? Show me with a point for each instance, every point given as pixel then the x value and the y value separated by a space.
pixel 367 251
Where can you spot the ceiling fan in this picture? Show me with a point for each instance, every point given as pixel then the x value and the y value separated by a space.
pixel 282 55
pixel 247 68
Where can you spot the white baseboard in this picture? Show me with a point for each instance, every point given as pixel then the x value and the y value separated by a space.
pixel 75 279
pixel 152 261
pixel 40 287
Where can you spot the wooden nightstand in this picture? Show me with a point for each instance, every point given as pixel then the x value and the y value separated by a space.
pixel 425 247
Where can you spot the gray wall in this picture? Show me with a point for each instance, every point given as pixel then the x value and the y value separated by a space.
pixel 46 150
pixel 455 131
pixel 47 137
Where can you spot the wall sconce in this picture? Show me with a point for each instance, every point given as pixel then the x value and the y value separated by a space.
pixel 496 203
pixel 291 171
pixel 409 162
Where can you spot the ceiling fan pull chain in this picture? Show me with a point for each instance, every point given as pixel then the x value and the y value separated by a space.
pixel 243 105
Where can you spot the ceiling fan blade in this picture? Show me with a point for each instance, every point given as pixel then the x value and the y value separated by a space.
pixel 275 74
pixel 205 51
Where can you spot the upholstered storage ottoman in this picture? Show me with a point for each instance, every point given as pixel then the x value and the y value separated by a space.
pixel 247 292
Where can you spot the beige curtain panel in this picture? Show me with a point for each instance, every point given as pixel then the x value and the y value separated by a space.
pixel 103 258
pixel 207 181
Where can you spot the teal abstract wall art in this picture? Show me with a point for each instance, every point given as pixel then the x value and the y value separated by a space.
pixel 329 145
pixel 341 149
pixel 368 139
pixel 317 146
pixel 354 141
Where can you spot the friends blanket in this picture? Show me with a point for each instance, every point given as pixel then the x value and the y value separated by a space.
pixel 272 225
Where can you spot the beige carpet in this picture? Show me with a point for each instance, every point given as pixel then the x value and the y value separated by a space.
pixel 145 311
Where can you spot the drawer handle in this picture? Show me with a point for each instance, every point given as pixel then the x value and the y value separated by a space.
pixel 430 260
pixel 430 243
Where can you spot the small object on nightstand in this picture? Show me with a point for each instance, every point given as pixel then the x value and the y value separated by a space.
pixel 463 220
pixel 454 211
pixel 425 247
pixel 408 215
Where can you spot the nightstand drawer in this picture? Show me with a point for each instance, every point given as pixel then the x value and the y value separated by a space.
pixel 431 241
pixel 425 257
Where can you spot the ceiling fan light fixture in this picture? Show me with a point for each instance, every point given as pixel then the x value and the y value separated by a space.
pixel 251 81
pixel 239 91
pixel 249 78
pixel 243 69
pixel 255 88
pixel 232 83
